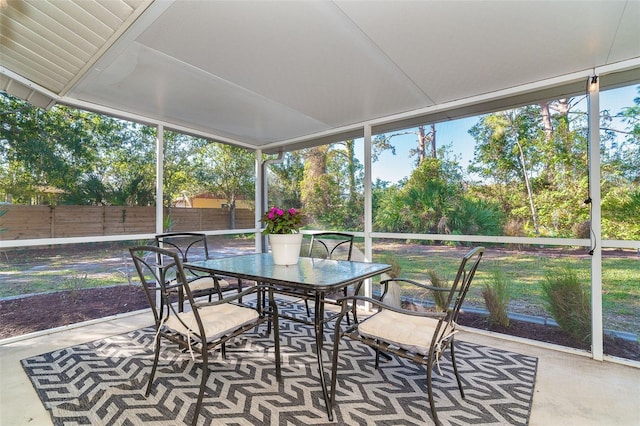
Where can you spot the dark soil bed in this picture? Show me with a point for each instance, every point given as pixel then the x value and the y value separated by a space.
pixel 551 334
pixel 50 310
pixel 45 311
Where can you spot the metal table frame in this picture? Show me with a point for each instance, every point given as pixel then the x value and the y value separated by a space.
pixel 318 276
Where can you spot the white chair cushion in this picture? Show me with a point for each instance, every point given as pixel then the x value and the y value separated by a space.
pixel 205 283
pixel 217 320
pixel 408 332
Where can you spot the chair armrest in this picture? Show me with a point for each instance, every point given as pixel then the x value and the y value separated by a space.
pixel 344 301
pixel 234 296
pixel 415 283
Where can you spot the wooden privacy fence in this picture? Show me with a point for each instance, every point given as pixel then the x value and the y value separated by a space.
pixel 31 222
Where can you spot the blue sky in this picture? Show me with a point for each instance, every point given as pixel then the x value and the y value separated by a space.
pixel 455 133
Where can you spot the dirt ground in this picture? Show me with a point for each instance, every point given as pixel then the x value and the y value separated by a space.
pixel 44 311
pixel 50 310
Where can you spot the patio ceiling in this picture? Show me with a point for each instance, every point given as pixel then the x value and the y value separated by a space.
pixel 267 74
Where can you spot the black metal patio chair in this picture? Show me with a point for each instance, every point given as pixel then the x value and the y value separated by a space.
pixel 206 325
pixel 192 246
pixel 326 245
pixel 420 336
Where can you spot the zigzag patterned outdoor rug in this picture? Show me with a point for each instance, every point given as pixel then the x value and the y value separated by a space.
pixel 103 382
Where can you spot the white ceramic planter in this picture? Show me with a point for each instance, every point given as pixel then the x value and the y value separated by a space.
pixel 285 248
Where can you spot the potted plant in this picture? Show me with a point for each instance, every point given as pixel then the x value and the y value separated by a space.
pixel 283 226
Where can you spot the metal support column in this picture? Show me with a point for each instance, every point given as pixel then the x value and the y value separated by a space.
pixel 596 216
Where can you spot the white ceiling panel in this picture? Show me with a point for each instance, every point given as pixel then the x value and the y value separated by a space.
pixel 146 82
pixel 275 50
pixel 456 49
pixel 627 40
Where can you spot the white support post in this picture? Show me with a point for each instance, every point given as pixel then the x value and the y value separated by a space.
pixel 368 214
pixel 260 189
pixel 159 179
pixel 596 216
pixel 159 191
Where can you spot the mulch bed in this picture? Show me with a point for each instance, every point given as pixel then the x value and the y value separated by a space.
pixel 551 334
pixel 50 310
pixel 45 311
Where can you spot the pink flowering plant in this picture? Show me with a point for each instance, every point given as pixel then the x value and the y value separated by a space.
pixel 280 221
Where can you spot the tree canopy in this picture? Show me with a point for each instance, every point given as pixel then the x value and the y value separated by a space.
pixel 529 175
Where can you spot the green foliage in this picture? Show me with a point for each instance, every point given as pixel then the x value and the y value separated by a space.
pixel 322 193
pixel 167 223
pixel 391 211
pixel 281 221
pixel 227 171
pixel 284 180
pixel 554 157
pixel 496 296
pixel 568 302
pixel 476 217
pixel 433 201
pixel 181 165
pixel 76 157
pixel 620 214
pixel 70 156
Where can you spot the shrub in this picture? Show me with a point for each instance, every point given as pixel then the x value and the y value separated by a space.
pixel 496 296
pixel 568 302
pixel 581 229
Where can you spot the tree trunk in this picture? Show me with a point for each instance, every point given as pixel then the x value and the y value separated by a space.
pixel 529 193
pixel 315 199
pixel 546 121
pixel 232 216
pixel 351 167
pixel 422 142
pixel 433 141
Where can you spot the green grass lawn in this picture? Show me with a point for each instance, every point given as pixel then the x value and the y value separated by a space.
pixel 36 271
pixel 525 273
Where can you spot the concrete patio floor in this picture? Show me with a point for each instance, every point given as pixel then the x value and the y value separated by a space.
pixel 570 389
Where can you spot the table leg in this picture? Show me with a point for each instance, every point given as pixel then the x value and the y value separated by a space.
pixel 180 299
pixel 319 326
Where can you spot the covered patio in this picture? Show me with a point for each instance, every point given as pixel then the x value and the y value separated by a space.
pixel 280 76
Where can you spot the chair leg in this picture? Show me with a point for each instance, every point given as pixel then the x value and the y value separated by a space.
pixel 155 366
pixel 334 365
pixel 432 403
pixel 262 304
pixel 344 292
pixel 203 384
pixel 455 370
pixel 306 304
pixel 276 340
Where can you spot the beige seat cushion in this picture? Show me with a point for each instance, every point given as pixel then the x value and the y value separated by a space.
pixel 217 320
pixel 206 283
pixel 411 333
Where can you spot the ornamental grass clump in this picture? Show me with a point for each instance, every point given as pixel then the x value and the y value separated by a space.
pixel 280 221
pixel 568 302
pixel 439 297
pixel 496 296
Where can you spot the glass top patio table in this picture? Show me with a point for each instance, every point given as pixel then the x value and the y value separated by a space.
pixel 319 276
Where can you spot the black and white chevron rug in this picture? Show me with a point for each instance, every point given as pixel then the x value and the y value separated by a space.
pixel 103 382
